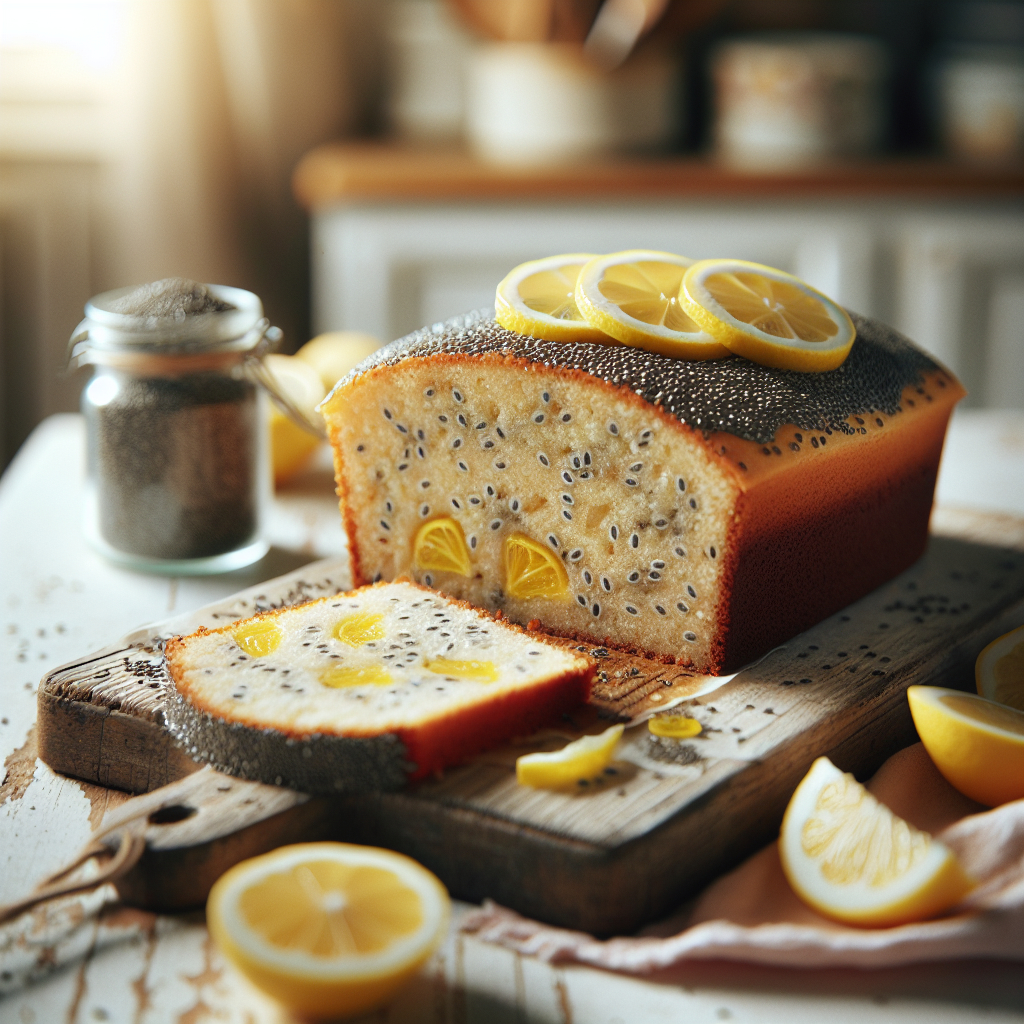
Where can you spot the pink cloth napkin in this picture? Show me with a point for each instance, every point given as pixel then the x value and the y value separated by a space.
pixel 752 914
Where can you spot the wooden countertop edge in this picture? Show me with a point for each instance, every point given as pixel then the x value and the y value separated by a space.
pixel 339 173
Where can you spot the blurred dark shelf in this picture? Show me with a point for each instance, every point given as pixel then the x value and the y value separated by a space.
pixel 342 173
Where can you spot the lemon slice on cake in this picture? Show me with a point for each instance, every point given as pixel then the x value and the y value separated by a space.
pixel 853 860
pixel 538 299
pixel 978 745
pixel 328 929
pixel 767 315
pixel 579 761
pixel 440 545
pixel 634 297
pixel 999 670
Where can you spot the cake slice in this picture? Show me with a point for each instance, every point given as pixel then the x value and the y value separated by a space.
pixel 696 511
pixel 364 690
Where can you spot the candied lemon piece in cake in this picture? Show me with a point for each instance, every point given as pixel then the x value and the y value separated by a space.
pixel 258 637
pixel 441 545
pixel 328 929
pixel 532 570
pixel 853 860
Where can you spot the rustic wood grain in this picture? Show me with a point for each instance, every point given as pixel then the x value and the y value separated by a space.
pixel 676 813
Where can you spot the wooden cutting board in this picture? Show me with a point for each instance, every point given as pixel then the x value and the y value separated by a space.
pixel 610 857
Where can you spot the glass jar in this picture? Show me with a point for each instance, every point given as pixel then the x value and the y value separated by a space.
pixel 178 475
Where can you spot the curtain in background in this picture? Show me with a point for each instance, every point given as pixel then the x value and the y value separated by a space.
pixel 196 131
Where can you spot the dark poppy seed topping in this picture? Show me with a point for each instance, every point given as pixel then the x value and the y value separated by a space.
pixel 733 395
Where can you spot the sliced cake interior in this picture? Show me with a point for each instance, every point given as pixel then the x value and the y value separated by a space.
pixel 436 680
pixel 548 495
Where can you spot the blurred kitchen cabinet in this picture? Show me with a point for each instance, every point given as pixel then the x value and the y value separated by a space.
pixel 405 238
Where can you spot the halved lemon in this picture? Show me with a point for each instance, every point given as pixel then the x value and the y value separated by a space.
pixel 978 745
pixel 328 929
pixel 767 315
pixel 999 670
pixel 291 445
pixel 532 570
pixel 634 297
pixel 581 760
pixel 852 859
pixel 537 299
pixel 440 545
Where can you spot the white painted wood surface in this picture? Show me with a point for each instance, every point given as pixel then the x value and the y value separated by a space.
pixel 93 960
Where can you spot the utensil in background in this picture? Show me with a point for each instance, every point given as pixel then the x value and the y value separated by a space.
pixel 790 101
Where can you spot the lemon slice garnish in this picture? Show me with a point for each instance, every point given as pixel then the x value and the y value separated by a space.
pixel 537 299
pixel 634 297
pixel 767 316
pixel 999 670
pixel 328 929
pixel 290 445
pixel 976 744
pixel 532 570
pixel 441 545
pixel 581 760
pixel 259 637
pixel 677 727
pixel 853 860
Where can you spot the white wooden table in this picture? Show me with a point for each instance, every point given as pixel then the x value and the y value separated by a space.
pixel 59 600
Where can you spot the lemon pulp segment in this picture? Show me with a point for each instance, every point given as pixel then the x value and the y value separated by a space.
pixel 537 299
pixel 852 859
pixel 531 570
pixel 359 629
pixel 634 297
pixel 328 929
pixel 440 545
pixel 352 675
pixel 976 744
pixel 999 671
pixel 581 760
pixel 328 909
pixel 767 315
pixel 481 671
pixel 258 638
pixel 677 727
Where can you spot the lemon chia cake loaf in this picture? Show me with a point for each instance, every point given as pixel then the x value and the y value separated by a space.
pixel 364 690
pixel 698 511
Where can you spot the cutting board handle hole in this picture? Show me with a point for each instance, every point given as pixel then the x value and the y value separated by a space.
pixel 172 814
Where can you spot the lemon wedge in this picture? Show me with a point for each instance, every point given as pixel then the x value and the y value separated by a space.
pixel 441 545
pixel 853 860
pixel 291 445
pixel 767 316
pixel 978 745
pixel 531 570
pixel 537 299
pixel 333 354
pixel 328 929
pixel 999 670
pixel 581 760
pixel 634 297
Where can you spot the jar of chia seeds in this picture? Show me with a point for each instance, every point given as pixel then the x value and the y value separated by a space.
pixel 178 474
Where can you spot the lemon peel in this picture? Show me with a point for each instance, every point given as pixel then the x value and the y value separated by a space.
pixel 581 760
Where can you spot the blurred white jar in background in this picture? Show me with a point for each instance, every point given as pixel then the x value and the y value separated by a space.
pixel 530 103
pixel 981 105
pixel 798 100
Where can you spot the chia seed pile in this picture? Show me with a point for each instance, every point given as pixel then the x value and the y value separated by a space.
pixel 175 457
